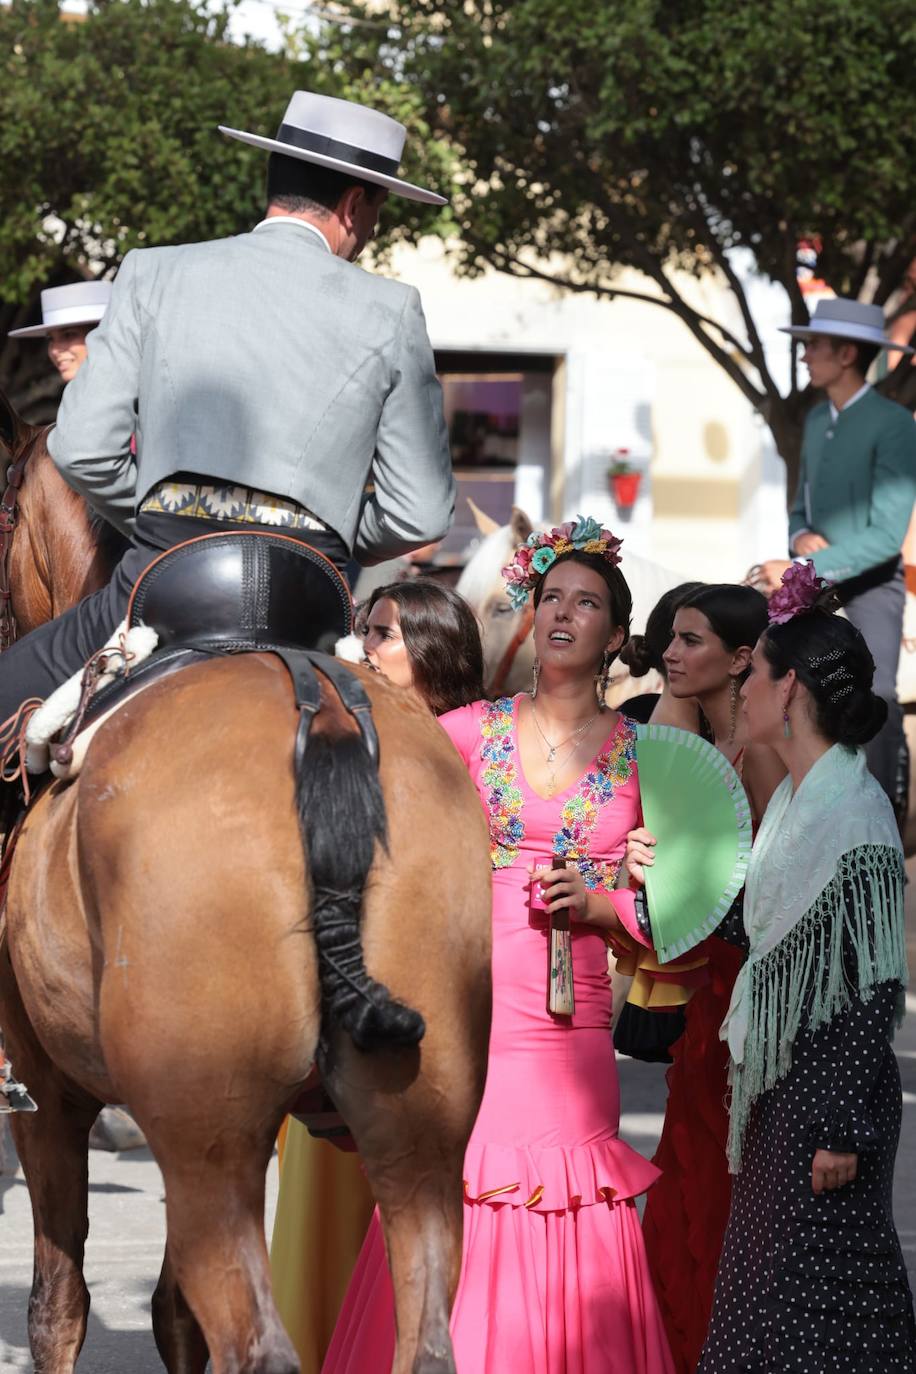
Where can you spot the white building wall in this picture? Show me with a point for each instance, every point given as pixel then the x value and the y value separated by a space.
pixel 635 379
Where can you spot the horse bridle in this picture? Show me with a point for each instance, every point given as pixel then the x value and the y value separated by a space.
pixel 512 648
pixel 9 515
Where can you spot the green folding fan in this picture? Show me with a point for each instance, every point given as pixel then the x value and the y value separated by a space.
pixel 695 806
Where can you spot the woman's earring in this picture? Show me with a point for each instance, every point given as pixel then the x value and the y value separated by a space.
pixel 786 724
pixel 535 676
pixel 602 680
pixel 733 709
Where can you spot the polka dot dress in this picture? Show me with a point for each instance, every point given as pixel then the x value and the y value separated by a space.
pixel 817 1284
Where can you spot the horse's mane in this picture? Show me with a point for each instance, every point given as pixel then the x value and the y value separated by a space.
pixel 15 435
pixel 481 572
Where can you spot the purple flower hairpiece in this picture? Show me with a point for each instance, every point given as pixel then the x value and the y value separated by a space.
pixel 801 591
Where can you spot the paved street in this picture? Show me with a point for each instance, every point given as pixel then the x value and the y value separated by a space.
pixel 127 1220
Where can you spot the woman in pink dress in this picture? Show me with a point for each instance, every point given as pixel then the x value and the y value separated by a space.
pixel 554 1277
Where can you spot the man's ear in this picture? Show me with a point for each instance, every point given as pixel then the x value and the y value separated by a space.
pixel 348 205
pixel 849 355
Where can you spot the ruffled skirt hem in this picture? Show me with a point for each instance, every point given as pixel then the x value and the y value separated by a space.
pixel 556 1179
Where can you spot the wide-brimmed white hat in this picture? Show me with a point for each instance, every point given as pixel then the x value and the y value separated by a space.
pixel 345 136
pixel 85 302
pixel 842 318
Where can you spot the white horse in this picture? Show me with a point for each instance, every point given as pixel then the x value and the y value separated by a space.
pixel 508 645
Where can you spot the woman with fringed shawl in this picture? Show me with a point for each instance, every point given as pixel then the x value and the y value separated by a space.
pixel 812 1277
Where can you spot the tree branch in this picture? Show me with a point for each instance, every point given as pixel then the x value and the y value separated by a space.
pixel 755 349
pixel 672 301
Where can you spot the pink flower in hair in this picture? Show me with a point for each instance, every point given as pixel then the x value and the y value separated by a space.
pixel 801 591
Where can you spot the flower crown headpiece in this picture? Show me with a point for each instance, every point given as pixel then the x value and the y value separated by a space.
pixel 542 549
pixel 801 591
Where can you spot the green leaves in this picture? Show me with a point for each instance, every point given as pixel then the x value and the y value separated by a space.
pixel 660 134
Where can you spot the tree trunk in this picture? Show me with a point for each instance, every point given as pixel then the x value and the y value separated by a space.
pixel 786 419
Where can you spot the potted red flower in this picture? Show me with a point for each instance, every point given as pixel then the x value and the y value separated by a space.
pixel 624 481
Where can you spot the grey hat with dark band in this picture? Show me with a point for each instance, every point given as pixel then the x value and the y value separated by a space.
pixel 344 136
pixel 842 318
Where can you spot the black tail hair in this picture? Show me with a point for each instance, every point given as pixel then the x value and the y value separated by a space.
pixel 342 819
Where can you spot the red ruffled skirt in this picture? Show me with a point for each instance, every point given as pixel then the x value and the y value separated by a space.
pixel 686 1211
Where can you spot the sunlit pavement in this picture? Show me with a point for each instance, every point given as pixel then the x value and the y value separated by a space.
pixel 127 1218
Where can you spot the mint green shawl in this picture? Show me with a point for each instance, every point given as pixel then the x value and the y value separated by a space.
pixel 835 835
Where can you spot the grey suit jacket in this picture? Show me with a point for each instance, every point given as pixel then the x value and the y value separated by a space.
pixel 265 361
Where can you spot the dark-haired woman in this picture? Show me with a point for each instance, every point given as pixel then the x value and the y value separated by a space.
pixel 714 632
pixel 812 1276
pixel 553 1277
pixel 645 652
pixel 652 1018
pixel 425 636
pixel 422 636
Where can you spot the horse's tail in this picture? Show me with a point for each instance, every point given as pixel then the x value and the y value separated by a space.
pixel 342 820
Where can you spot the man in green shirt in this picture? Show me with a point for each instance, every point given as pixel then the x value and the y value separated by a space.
pixel 855 494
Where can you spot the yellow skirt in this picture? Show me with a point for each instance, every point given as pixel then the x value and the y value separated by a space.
pixel 323 1213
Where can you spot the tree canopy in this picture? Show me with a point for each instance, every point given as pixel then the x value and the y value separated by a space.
pixel 660 135
pixel 108 141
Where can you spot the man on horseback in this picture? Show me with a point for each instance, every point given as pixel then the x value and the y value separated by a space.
pixel 270 383
pixel 262 382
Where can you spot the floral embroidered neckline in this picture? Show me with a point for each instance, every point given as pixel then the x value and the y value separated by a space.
pixel 579 813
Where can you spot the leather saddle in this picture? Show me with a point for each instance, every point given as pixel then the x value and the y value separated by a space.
pixel 242 591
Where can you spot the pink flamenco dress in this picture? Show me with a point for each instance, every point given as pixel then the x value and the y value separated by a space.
pixel 554 1277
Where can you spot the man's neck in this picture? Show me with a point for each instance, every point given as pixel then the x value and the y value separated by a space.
pixel 843 390
pixel 328 226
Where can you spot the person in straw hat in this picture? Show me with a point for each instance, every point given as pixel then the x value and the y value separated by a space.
pixel 68 313
pixel 852 505
pixel 270 382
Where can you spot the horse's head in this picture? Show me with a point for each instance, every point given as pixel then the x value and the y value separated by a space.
pixel 481 585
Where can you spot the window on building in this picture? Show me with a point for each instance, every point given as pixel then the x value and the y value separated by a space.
pixel 498 408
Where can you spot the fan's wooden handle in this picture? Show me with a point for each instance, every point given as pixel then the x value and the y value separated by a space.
pixel 561 999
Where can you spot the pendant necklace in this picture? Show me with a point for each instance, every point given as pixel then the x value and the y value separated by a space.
pixel 552 749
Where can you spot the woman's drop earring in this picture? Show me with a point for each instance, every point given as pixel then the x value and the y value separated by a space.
pixel 535 676
pixel 733 708
pixel 602 680
pixel 786 724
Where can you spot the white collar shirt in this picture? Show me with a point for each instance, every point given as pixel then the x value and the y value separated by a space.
pixel 303 224
pixel 851 402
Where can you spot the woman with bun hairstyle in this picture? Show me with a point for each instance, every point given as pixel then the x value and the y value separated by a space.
pixel 642 653
pixel 812 1276
pixel 714 632
pixel 652 1017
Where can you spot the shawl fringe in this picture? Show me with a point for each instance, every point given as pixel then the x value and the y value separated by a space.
pixel 804 979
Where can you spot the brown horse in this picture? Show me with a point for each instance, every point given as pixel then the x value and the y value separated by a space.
pixel 186 929
pixel 59 552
